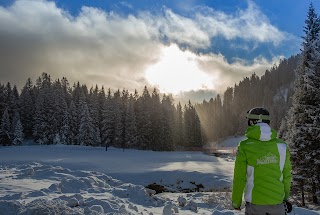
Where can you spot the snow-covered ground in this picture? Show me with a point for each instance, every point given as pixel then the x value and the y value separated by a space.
pixel 85 180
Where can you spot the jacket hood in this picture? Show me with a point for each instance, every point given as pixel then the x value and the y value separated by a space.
pixel 261 131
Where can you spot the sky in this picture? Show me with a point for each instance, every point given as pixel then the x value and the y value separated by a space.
pixel 51 179
pixel 191 49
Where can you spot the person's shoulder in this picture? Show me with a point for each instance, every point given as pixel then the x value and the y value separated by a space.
pixel 245 142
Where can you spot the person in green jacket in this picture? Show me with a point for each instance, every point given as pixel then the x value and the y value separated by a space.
pixel 262 168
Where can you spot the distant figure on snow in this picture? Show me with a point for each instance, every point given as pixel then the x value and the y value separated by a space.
pixel 262 169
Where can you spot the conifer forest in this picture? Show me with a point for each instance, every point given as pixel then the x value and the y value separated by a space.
pixel 51 112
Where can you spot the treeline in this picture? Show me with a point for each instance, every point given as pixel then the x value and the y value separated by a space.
pixel 225 115
pixel 52 112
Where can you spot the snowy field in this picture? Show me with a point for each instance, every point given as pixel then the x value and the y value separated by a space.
pixel 85 180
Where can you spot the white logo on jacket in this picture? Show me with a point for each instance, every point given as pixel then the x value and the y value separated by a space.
pixel 268 159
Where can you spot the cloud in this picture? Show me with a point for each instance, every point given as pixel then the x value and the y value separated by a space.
pixel 223 75
pixel 248 24
pixel 104 48
pixel 205 24
pixel 95 47
pixel 227 74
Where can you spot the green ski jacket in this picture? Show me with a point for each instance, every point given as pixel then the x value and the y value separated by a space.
pixel 262 168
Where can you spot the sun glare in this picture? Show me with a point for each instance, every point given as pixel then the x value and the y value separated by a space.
pixel 177 71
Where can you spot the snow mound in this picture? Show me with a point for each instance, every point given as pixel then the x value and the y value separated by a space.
pixel 71 192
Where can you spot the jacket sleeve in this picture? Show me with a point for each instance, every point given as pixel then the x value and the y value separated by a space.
pixel 239 177
pixel 287 175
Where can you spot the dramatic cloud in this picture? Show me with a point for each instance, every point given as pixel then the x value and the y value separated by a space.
pixel 96 47
pixel 250 24
pixel 206 23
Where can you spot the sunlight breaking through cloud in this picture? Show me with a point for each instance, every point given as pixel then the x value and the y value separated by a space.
pixel 178 71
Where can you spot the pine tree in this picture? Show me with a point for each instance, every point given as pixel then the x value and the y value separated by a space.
pixel 18 135
pixel 227 114
pixel 59 107
pixel 88 134
pixel 101 104
pixel 156 117
pixel 15 120
pixel 66 90
pixel 93 104
pixel 131 136
pixel 74 122
pixel 218 116
pixel 14 99
pixel 314 90
pixel 108 121
pixel 168 111
pixel 179 135
pixel 303 124
pixel 2 98
pixel 120 117
pixel 118 114
pixel 65 131
pixel 41 123
pixel 192 127
pixel 144 119
pixel 9 99
pixel 5 134
pixel 26 103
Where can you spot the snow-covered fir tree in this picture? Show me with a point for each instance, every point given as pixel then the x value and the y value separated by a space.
pixel 94 105
pixel 45 114
pixel 108 121
pixel 65 131
pixel 131 135
pixel 18 135
pixel 167 128
pixel 15 119
pixel 2 99
pixel 227 113
pixel 156 116
pixel 144 119
pixel 88 133
pixel 192 127
pixel 179 131
pixel 41 123
pixel 66 90
pixel 101 104
pixel 74 122
pixel 26 110
pixel 303 122
pixel 120 100
pixel 6 130
pixel 11 99
pixel 59 106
